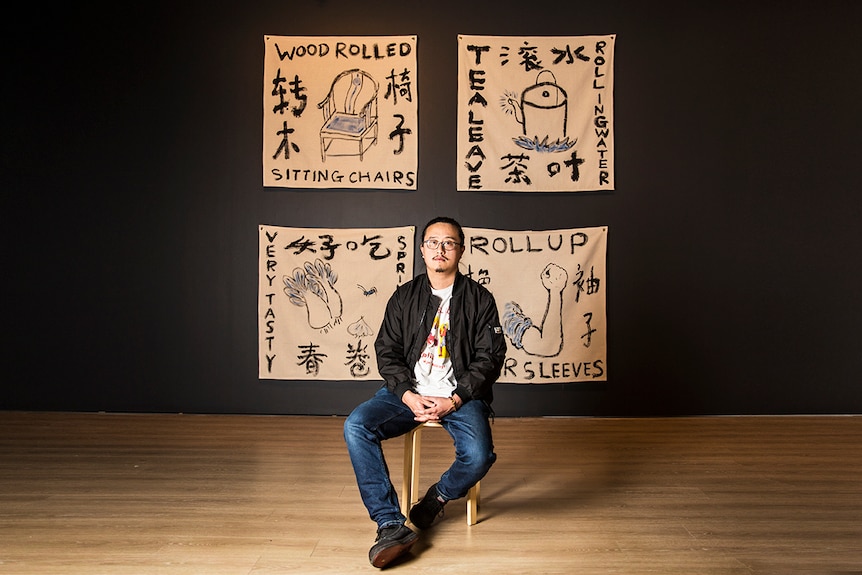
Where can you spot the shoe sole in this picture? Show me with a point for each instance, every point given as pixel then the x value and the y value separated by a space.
pixel 388 554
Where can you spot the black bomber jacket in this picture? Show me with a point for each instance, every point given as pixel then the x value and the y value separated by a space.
pixel 475 338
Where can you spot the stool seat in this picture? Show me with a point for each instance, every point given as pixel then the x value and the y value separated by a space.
pixel 412 445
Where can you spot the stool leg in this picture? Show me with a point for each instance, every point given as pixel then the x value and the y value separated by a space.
pixel 411 468
pixel 473 505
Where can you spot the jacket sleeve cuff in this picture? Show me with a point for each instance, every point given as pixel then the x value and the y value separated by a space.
pixel 402 388
pixel 463 393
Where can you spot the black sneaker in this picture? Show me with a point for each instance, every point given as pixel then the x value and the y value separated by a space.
pixel 428 509
pixel 391 543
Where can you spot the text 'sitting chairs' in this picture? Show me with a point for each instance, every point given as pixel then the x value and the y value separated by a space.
pixel 350 112
pixel 412 444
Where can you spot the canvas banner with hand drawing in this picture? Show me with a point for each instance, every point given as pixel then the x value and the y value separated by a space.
pixel 340 112
pixel 550 292
pixel 322 295
pixel 535 114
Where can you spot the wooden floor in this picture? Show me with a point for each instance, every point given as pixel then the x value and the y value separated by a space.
pixel 179 494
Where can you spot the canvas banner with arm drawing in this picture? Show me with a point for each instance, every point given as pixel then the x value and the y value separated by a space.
pixel 550 292
pixel 322 295
pixel 535 114
pixel 340 112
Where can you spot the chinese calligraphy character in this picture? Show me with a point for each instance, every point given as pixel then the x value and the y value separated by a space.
pixel 575 163
pixel 295 89
pixel 328 245
pixel 399 132
pixel 529 57
pixel 310 358
pixel 301 245
pixel 285 144
pixel 399 86
pixel 568 55
pixel 591 282
pixel 357 359
pixel 518 172
pixel 375 247
pixel 588 336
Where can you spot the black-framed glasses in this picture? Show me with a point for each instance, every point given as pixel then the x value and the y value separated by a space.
pixel 447 245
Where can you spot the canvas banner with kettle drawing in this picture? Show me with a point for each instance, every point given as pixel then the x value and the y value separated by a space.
pixel 535 114
pixel 340 112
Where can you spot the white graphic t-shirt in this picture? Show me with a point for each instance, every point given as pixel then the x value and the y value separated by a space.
pixel 433 371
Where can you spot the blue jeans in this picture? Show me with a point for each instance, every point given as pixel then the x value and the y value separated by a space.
pixel 384 416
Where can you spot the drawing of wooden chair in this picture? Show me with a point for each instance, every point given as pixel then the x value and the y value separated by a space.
pixel 412 444
pixel 350 113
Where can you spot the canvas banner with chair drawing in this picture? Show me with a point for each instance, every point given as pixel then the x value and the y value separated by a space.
pixel 340 112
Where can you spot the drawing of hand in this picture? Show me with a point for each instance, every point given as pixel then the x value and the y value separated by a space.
pixel 554 278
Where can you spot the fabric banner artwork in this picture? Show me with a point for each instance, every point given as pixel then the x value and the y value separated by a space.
pixel 550 292
pixel 322 294
pixel 340 112
pixel 535 114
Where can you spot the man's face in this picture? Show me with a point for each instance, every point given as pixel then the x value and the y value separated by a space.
pixel 438 259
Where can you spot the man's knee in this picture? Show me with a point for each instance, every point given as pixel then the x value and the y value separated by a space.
pixel 487 460
pixel 354 427
pixel 479 457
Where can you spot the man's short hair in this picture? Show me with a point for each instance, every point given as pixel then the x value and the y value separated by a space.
pixel 445 220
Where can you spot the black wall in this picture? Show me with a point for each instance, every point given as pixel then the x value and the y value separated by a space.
pixel 132 197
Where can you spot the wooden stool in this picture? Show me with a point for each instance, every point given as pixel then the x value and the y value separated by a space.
pixel 411 475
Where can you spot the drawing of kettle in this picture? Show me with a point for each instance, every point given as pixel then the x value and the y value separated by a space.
pixel 543 109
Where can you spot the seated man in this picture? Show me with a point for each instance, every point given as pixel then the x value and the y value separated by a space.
pixel 440 349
